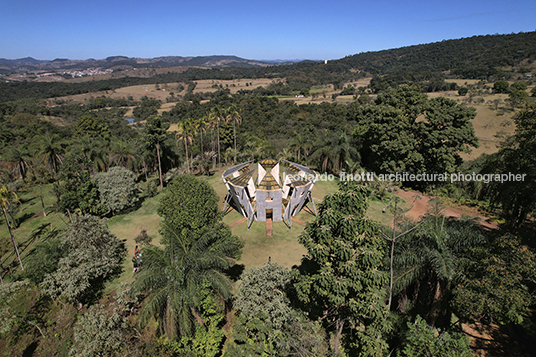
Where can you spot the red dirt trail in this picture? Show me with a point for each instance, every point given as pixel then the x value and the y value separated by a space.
pixel 420 207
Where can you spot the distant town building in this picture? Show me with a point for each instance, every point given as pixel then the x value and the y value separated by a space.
pixel 88 72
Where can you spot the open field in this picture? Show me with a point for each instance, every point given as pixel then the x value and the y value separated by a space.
pixel 492 119
pixel 488 124
pixel 162 91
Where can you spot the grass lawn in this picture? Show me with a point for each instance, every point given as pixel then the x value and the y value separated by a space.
pixel 29 218
pixel 282 247
pixel 127 227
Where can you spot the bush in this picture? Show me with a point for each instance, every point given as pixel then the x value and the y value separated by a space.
pixel 117 188
pixel 190 204
pixel 91 255
pixel 421 340
pixel 501 86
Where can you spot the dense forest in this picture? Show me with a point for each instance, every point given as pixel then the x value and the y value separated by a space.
pixel 361 289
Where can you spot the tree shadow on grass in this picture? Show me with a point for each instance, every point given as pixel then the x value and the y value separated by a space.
pixel 24 217
pixel 235 272
pixel 30 350
pixel 24 201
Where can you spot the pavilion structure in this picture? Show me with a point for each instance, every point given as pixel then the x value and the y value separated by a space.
pixel 272 191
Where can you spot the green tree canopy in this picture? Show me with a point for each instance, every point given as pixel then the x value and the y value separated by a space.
pixel 263 292
pixel 92 126
pixel 172 275
pixel 117 188
pixel 421 340
pixel 91 255
pixel 404 131
pixel 267 322
pixel 498 283
pixel 501 86
pixel 340 278
pixel 76 191
pixel 146 108
pixel 518 197
pixel 189 204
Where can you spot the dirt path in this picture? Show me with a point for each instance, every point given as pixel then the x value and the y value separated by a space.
pixel 269 229
pixel 420 207
pixel 486 340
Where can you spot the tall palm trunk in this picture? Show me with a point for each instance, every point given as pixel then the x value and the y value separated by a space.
pixel 234 132
pixel 42 202
pixel 159 166
pixel 435 309
pixel 13 238
pixel 219 160
pixel 145 170
pixel 213 147
pixel 186 148
pixel 201 133
pixel 391 272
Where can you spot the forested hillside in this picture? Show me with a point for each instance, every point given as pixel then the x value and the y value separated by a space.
pixel 471 57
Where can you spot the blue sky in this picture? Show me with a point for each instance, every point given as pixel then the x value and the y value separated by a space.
pixel 329 29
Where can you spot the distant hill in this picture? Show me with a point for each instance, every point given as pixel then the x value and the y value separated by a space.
pixel 466 57
pixel 29 64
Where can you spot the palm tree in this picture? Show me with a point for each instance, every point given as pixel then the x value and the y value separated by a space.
pixel 233 114
pixel 205 162
pixel 155 134
pixel 300 145
pixel 7 197
pixel 49 146
pixel 345 152
pixel 432 256
pixel 124 154
pixel 216 115
pixel 202 127
pixel 21 157
pixel 186 135
pixel 146 157
pixel 172 276
pixel 93 149
pixel 398 214
pixel 336 152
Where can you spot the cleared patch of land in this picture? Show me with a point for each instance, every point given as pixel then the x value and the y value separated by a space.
pixel 282 247
pixel 163 91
